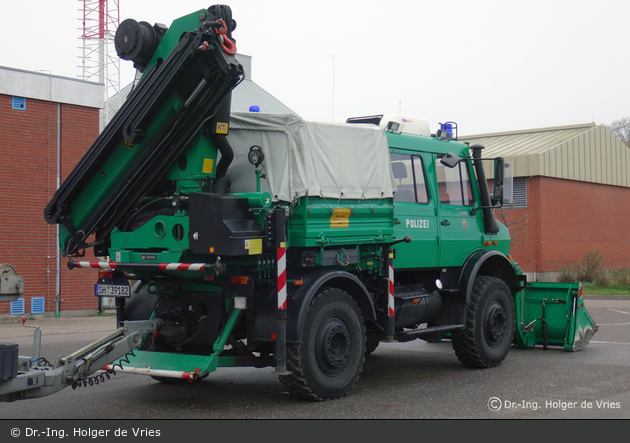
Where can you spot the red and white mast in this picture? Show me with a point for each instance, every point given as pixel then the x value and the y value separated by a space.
pixel 99 61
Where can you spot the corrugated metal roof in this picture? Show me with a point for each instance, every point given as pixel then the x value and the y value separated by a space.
pixel 248 93
pixel 586 152
pixel 526 142
pixel 115 102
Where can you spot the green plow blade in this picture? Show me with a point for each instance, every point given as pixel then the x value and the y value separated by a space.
pixel 167 361
pixel 553 314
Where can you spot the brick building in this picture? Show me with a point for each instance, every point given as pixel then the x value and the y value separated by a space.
pixel 47 123
pixel 571 188
pixel 46 120
pixel 570 185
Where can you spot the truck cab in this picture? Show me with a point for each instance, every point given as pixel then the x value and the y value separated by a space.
pixel 441 204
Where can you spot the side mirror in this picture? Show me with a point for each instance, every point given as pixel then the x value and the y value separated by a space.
pixel 497 195
pixel 450 160
pixel 499 171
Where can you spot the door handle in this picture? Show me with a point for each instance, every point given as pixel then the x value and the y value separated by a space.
pixel 445 223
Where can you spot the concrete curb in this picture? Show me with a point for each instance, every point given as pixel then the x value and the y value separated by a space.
pixel 10 319
pixel 90 321
pixel 606 297
pixel 53 325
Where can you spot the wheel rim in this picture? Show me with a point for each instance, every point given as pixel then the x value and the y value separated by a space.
pixel 333 345
pixel 495 323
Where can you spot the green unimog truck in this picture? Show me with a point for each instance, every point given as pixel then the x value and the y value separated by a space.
pixel 253 239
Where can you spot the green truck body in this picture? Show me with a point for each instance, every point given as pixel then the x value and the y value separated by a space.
pixel 342 237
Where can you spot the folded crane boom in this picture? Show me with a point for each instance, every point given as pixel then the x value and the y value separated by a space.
pixel 174 99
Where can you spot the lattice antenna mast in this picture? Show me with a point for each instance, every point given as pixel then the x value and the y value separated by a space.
pixel 99 61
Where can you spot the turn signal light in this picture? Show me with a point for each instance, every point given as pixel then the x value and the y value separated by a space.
pixel 102 273
pixel 239 279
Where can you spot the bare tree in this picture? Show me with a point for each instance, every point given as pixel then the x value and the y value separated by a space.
pixel 517 223
pixel 621 128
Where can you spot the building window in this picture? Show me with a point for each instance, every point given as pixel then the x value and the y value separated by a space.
pixel 18 103
pixel 518 199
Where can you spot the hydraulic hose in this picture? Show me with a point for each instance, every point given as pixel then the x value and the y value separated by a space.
pixel 222 183
pixel 227 154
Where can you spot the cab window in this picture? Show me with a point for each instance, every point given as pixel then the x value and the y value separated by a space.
pixel 410 179
pixel 454 184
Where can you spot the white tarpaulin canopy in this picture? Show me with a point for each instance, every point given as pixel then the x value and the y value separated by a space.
pixel 304 158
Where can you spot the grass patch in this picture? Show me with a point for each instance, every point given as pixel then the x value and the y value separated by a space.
pixel 106 314
pixel 595 279
pixel 593 288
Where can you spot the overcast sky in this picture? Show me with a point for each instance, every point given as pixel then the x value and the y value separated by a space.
pixel 488 65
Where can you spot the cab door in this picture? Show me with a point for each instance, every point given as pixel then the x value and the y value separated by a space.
pixel 459 230
pixel 414 214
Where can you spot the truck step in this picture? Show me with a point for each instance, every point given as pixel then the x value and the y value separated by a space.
pixel 427 333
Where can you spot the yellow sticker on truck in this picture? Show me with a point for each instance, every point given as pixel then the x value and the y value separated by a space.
pixel 208 164
pixel 254 246
pixel 222 128
pixel 340 218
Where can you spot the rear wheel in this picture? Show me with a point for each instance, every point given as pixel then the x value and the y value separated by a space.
pixel 328 361
pixel 489 325
pixel 370 346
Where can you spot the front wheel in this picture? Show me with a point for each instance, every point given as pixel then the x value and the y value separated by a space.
pixel 328 361
pixel 489 325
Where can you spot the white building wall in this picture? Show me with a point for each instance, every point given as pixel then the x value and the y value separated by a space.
pixel 49 87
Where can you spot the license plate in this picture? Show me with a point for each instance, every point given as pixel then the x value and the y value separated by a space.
pixel 112 290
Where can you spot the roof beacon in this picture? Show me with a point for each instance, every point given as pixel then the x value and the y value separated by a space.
pixel 447 131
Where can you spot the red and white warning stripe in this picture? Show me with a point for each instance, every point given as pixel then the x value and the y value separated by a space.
pixel 186 375
pixel 160 266
pixel 182 266
pixel 94 264
pixel 282 278
pixel 390 298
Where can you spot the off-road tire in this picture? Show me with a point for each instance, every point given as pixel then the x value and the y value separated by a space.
pixel 328 361
pixel 489 325
pixel 370 346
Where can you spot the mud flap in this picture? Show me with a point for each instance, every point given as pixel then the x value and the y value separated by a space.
pixel 553 314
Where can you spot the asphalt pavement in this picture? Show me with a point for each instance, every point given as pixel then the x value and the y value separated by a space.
pixel 60 325
pixel 11 326
pixel 400 380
